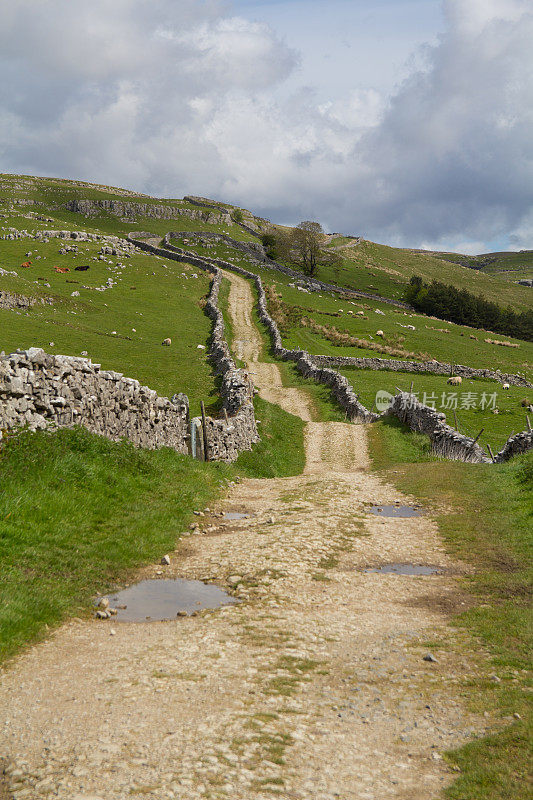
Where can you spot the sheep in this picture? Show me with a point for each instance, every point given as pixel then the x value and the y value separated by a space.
pixel 380 333
pixel 167 342
pixel 455 380
pixel 506 385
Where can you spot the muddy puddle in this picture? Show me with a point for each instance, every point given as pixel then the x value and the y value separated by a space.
pixel 395 511
pixel 156 600
pixel 406 569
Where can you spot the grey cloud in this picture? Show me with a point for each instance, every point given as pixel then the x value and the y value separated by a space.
pixel 173 96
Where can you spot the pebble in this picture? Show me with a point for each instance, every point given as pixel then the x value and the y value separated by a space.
pixel 165 560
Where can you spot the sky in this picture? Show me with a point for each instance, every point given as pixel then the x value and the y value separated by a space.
pixel 409 122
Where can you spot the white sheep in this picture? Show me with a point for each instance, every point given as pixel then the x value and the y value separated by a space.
pixel 380 333
pixel 167 342
pixel 455 380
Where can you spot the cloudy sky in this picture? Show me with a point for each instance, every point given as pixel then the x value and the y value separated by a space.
pixel 407 121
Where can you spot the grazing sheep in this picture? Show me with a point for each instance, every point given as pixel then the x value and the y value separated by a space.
pixel 524 403
pixel 506 386
pixel 380 333
pixel 167 342
pixel 455 380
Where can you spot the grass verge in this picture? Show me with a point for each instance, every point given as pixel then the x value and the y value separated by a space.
pixel 490 528
pixel 280 453
pixel 77 514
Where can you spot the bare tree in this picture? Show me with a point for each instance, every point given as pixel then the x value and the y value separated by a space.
pixel 305 241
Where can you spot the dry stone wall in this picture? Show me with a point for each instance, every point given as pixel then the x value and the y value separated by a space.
pixel 433 367
pixel 40 391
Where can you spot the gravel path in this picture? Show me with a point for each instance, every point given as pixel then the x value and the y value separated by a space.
pixel 314 687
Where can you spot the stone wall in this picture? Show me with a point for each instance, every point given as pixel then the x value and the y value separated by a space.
pixel 226 438
pixel 445 441
pixel 519 443
pixel 40 391
pixel 433 367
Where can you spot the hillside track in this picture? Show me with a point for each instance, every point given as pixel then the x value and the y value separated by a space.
pixel 314 687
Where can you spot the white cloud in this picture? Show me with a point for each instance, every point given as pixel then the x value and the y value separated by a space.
pixel 177 96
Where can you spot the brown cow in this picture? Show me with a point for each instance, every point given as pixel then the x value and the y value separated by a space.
pixel 26 264
pixel 62 269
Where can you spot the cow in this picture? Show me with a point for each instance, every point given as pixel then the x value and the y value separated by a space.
pixel 81 268
pixel 62 269
pixel 26 264
pixel 506 385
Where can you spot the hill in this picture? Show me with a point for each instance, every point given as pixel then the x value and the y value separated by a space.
pixel 116 304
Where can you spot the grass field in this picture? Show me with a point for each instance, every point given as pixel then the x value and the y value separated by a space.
pixel 152 299
pixel 488 525
pixel 431 338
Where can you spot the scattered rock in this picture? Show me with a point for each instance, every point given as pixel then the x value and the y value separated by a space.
pixel 103 602
pixel 182 614
pixel 165 560
pixel 430 657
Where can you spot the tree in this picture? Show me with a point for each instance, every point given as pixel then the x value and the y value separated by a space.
pixel 305 242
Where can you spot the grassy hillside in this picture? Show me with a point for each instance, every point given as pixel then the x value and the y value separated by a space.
pixel 506 266
pixel 123 327
pixel 375 267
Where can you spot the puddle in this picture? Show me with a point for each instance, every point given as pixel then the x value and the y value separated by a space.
pixel 405 569
pixel 155 600
pixel 395 511
pixel 235 515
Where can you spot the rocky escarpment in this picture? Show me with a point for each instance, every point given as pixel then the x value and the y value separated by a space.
pixel 130 210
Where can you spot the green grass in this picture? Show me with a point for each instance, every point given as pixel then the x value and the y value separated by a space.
pixel 78 514
pixel 431 338
pixel 505 266
pixel 488 525
pixel 280 453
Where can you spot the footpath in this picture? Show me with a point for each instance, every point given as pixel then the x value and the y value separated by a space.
pixel 314 687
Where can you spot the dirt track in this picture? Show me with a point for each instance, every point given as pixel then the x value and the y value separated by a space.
pixel 313 688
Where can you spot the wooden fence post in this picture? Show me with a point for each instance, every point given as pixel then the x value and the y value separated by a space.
pixel 204 430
